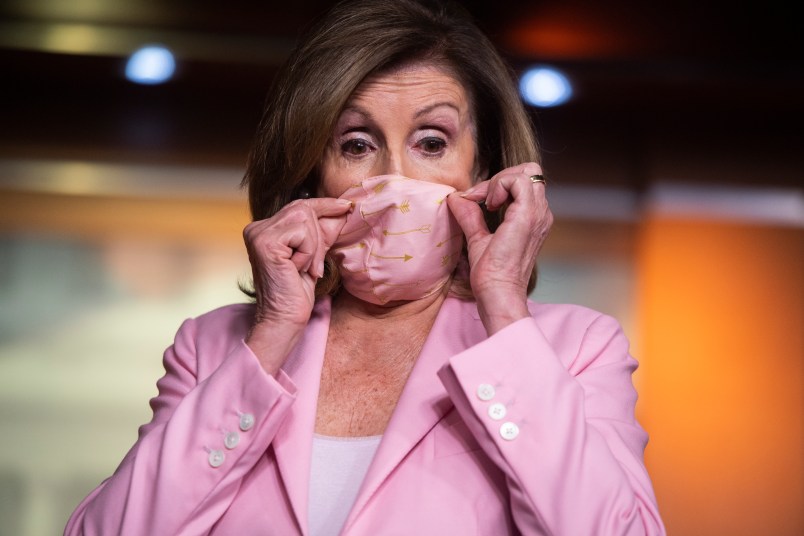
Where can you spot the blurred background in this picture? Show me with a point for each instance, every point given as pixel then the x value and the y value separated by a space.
pixel 675 170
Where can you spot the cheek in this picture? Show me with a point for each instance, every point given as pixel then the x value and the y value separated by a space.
pixel 466 161
pixel 330 186
pixel 464 183
pixel 337 179
pixel 334 180
pixel 458 170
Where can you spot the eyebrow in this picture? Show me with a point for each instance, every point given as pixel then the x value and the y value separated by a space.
pixel 430 108
pixel 424 111
pixel 355 109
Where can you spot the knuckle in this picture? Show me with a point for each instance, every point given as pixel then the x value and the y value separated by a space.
pixel 249 231
pixel 293 210
pixel 531 168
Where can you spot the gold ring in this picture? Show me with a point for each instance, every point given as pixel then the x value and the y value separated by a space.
pixel 538 178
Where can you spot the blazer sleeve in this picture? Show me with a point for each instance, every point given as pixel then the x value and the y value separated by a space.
pixel 180 476
pixel 565 436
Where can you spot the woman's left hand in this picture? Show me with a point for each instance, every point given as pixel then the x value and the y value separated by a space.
pixel 501 263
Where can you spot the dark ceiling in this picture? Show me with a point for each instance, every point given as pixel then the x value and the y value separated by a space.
pixel 691 91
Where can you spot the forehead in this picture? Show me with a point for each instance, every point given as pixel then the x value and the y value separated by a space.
pixel 412 83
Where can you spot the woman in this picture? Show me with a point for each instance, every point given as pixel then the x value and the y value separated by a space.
pixel 365 392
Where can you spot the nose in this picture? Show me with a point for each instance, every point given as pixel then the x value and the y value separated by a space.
pixel 396 162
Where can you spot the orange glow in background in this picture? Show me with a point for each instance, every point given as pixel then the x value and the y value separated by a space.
pixel 565 32
pixel 720 315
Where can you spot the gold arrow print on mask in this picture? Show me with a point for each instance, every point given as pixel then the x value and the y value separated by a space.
pixel 404 208
pixel 404 257
pixel 450 239
pixel 423 229
pixel 446 258
pixel 380 187
pixel 360 245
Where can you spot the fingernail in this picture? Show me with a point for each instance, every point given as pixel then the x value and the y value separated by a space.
pixel 321 269
pixel 345 202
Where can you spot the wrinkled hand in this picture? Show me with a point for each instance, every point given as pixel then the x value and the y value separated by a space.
pixel 500 263
pixel 287 253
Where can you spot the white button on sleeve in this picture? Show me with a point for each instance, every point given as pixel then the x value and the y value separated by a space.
pixel 485 391
pixel 246 421
pixel 216 458
pixel 231 440
pixel 509 431
pixel 497 411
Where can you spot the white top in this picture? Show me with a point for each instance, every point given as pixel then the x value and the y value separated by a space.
pixel 337 469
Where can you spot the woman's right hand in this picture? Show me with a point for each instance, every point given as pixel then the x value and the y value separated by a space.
pixel 286 252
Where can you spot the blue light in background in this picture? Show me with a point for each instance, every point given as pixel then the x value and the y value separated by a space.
pixel 150 65
pixel 544 87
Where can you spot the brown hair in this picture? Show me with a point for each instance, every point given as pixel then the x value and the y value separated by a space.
pixel 354 40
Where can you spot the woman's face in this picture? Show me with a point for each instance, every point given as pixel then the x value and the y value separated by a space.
pixel 414 121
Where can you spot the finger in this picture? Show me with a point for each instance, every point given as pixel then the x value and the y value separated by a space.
pixel 469 216
pixel 476 193
pixel 306 254
pixel 302 238
pixel 500 191
pixel 325 228
pixel 513 183
pixel 270 246
pixel 328 216
pixel 296 229
pixel 526 168
pixel 324 207
pixel 329 229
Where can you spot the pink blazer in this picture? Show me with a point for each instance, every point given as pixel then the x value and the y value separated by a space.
pixel 530 431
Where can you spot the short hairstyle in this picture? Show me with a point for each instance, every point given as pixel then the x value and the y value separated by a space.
pixel 354 40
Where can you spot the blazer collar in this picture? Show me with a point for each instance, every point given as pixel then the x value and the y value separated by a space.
pixel 424 401
pixel 422 404
pixel 293 443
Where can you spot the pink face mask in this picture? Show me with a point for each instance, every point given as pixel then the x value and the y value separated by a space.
pixel 400 242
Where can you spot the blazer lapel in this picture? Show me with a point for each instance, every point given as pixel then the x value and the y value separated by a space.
pixel 423 401
pixel 293 443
